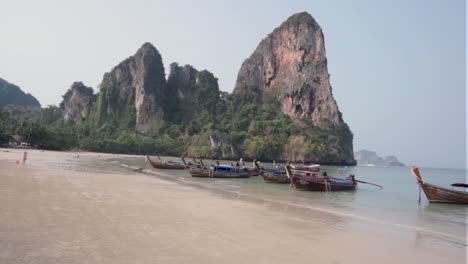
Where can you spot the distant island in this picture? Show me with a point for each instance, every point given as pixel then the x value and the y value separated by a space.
pixel 282 107
pixel 370 158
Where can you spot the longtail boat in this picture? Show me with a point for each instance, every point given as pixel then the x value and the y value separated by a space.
pixel 218 171
pixel 163 164
pixel 252 171
pixel 310 167
pixel 438 194
pixel 309 181
pixel 272 175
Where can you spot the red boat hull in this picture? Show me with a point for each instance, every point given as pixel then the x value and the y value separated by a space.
pixel 437 194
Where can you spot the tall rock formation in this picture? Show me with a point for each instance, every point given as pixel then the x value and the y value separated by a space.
pixel 77 102
pixel 194 97
pixel 290 65
pixel 191 93
pixel 11 94
pixel 131 95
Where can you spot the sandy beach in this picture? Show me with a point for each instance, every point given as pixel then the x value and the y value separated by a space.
pixel 61 209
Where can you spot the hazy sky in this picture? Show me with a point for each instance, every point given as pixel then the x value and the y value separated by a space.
pixel 397 67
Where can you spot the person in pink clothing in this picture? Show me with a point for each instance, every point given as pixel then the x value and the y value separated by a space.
pixel 25 157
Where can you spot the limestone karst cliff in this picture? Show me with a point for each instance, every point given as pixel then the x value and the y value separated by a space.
pixel 290 65
pixel 77 102
pixel 130 95
pixel 191 94
pixel 282 106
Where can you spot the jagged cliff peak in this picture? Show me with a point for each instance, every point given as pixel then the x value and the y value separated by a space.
pixel 301 17
pixel 131 94
pixel 78 87
pixel 77 102
pixel 290 65
pixel 148 48
pixel 190 93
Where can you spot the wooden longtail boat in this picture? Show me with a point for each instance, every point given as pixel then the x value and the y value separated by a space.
pixel 308 181
pixel 272 175
pixel 311 167
pixel 163 164
pixel 438 194
pixel 218 171
pixel 252 171
pixel 197 164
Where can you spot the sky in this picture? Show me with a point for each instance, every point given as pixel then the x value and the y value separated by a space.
pixel 397 68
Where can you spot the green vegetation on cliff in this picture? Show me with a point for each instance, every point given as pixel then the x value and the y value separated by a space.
pixel 11 94
pixel 138 111
pixel 254 127
pixel 250 125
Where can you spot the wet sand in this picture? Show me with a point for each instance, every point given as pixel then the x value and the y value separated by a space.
pixel 59 209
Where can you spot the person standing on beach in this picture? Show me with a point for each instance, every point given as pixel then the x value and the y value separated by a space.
pixel 25 157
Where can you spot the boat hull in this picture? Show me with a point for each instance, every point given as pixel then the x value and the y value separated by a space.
pixel 311 168
pixel 167 166
pixel 252 171
pixel 208 173
pixel 437 194
pixel 312 185
pixel 274 177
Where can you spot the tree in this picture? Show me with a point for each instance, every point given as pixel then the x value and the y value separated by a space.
pixel 4 138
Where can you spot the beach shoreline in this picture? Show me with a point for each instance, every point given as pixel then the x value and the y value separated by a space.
pixel 61 209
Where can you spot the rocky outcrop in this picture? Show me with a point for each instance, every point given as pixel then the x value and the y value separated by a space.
pixel 131 95
pixel 290 65
pixel 190 93
pixel 392 161
pixel 370 158
pixel 182 80
pixel 286 76
pixel 77 102
pixel 11 94
pixel 222 146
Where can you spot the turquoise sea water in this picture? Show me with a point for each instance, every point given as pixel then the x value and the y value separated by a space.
pixel 396 205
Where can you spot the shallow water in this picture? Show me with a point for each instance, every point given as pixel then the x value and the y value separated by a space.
pixel 396 205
